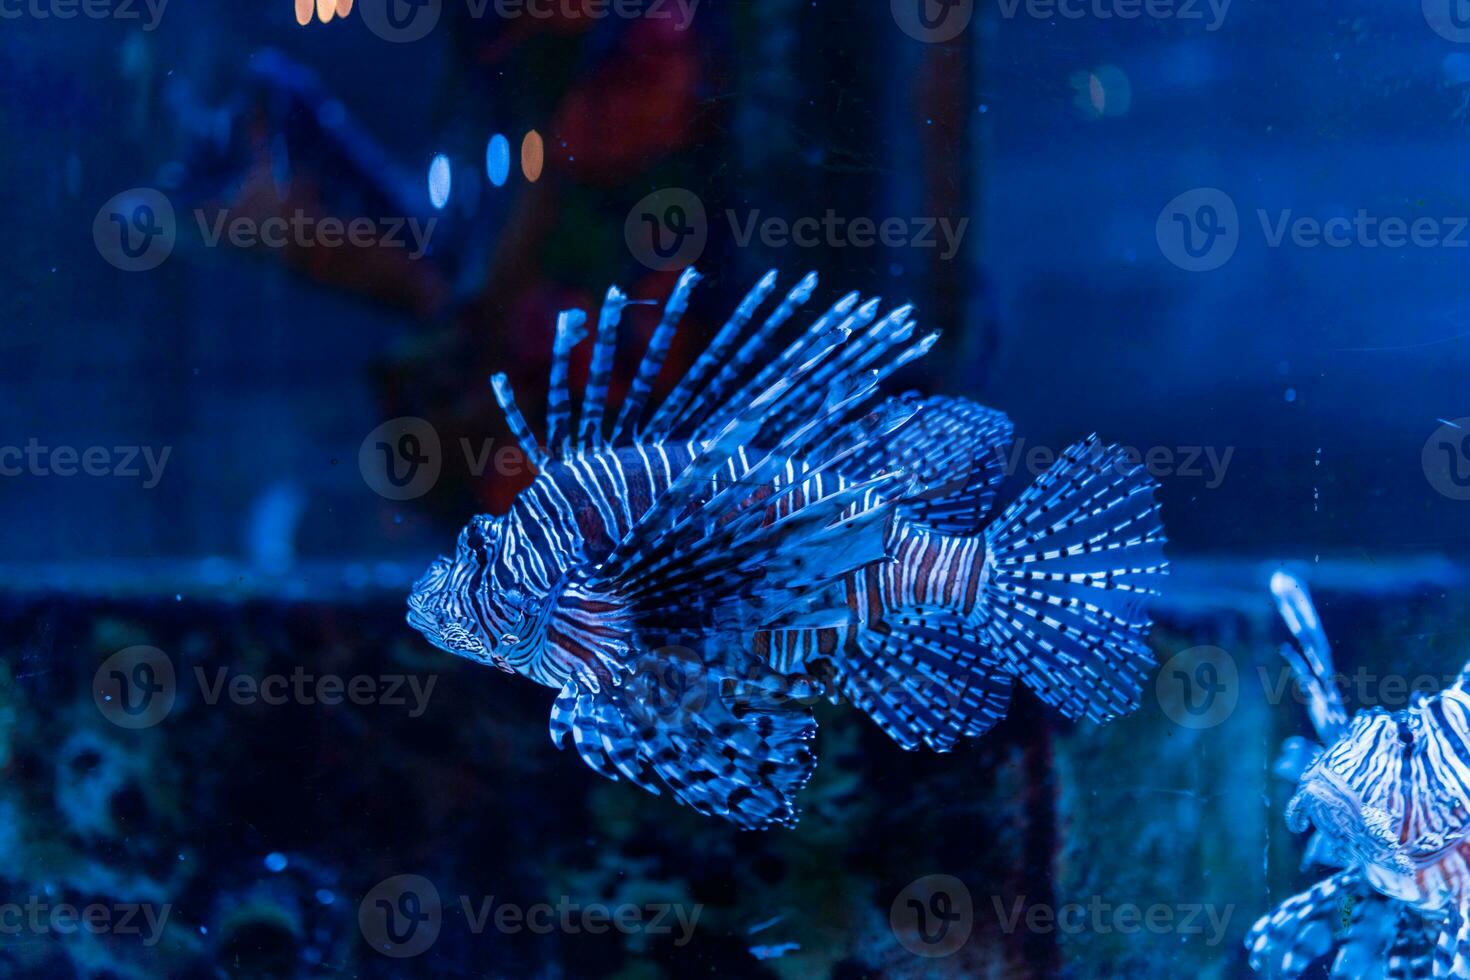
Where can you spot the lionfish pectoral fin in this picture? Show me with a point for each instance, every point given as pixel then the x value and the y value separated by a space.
pixel 926 677
pixel 956 451
pixel 1452 950
pixel 1300 930
pixel 1073 563
pixel 735 750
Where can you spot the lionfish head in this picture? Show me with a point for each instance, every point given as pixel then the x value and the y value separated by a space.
pixel 469 604
pixel 1353 795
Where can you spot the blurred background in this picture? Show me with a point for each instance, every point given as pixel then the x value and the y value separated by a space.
pixel 1230 236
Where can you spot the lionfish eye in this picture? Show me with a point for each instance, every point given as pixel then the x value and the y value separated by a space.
pixel 509 639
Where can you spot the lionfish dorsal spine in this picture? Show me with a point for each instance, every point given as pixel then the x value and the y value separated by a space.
pixel 594 401
pixel 517 422
pixel 571 327
pixel 683 399
pixel 630 416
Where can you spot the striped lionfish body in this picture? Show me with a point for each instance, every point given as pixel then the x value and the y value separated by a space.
pixel 1389 796
pixel 689 576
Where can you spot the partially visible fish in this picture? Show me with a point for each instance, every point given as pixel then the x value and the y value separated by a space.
pixel 768 534
pixel 1389 796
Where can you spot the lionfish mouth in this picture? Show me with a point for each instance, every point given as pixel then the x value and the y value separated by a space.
pixel 1371 836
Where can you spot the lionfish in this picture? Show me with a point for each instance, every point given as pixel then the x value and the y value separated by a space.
pixel 1389 796
pixel 691 578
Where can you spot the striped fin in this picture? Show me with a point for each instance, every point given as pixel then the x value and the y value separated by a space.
pixel 755 346
pixel 1410 953
pixel 1300 930
pixel 683 398
pixel 1072 563
pixel 787 361
pixel 517 422
pixel 710 555
pixel 956 449
pixel 571 328
pixel 924 678
pixel 1312 662
pixel 741 754
pixel 594 400
pixel 1452 952
pixel 630 416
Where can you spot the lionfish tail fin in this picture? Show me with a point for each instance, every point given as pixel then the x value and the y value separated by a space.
pixel 926 678
pixel 1072 564
pixel 1311 660
pixel 727 748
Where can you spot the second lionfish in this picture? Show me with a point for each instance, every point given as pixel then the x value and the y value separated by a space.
pixel 1388 793
pixel 773 532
